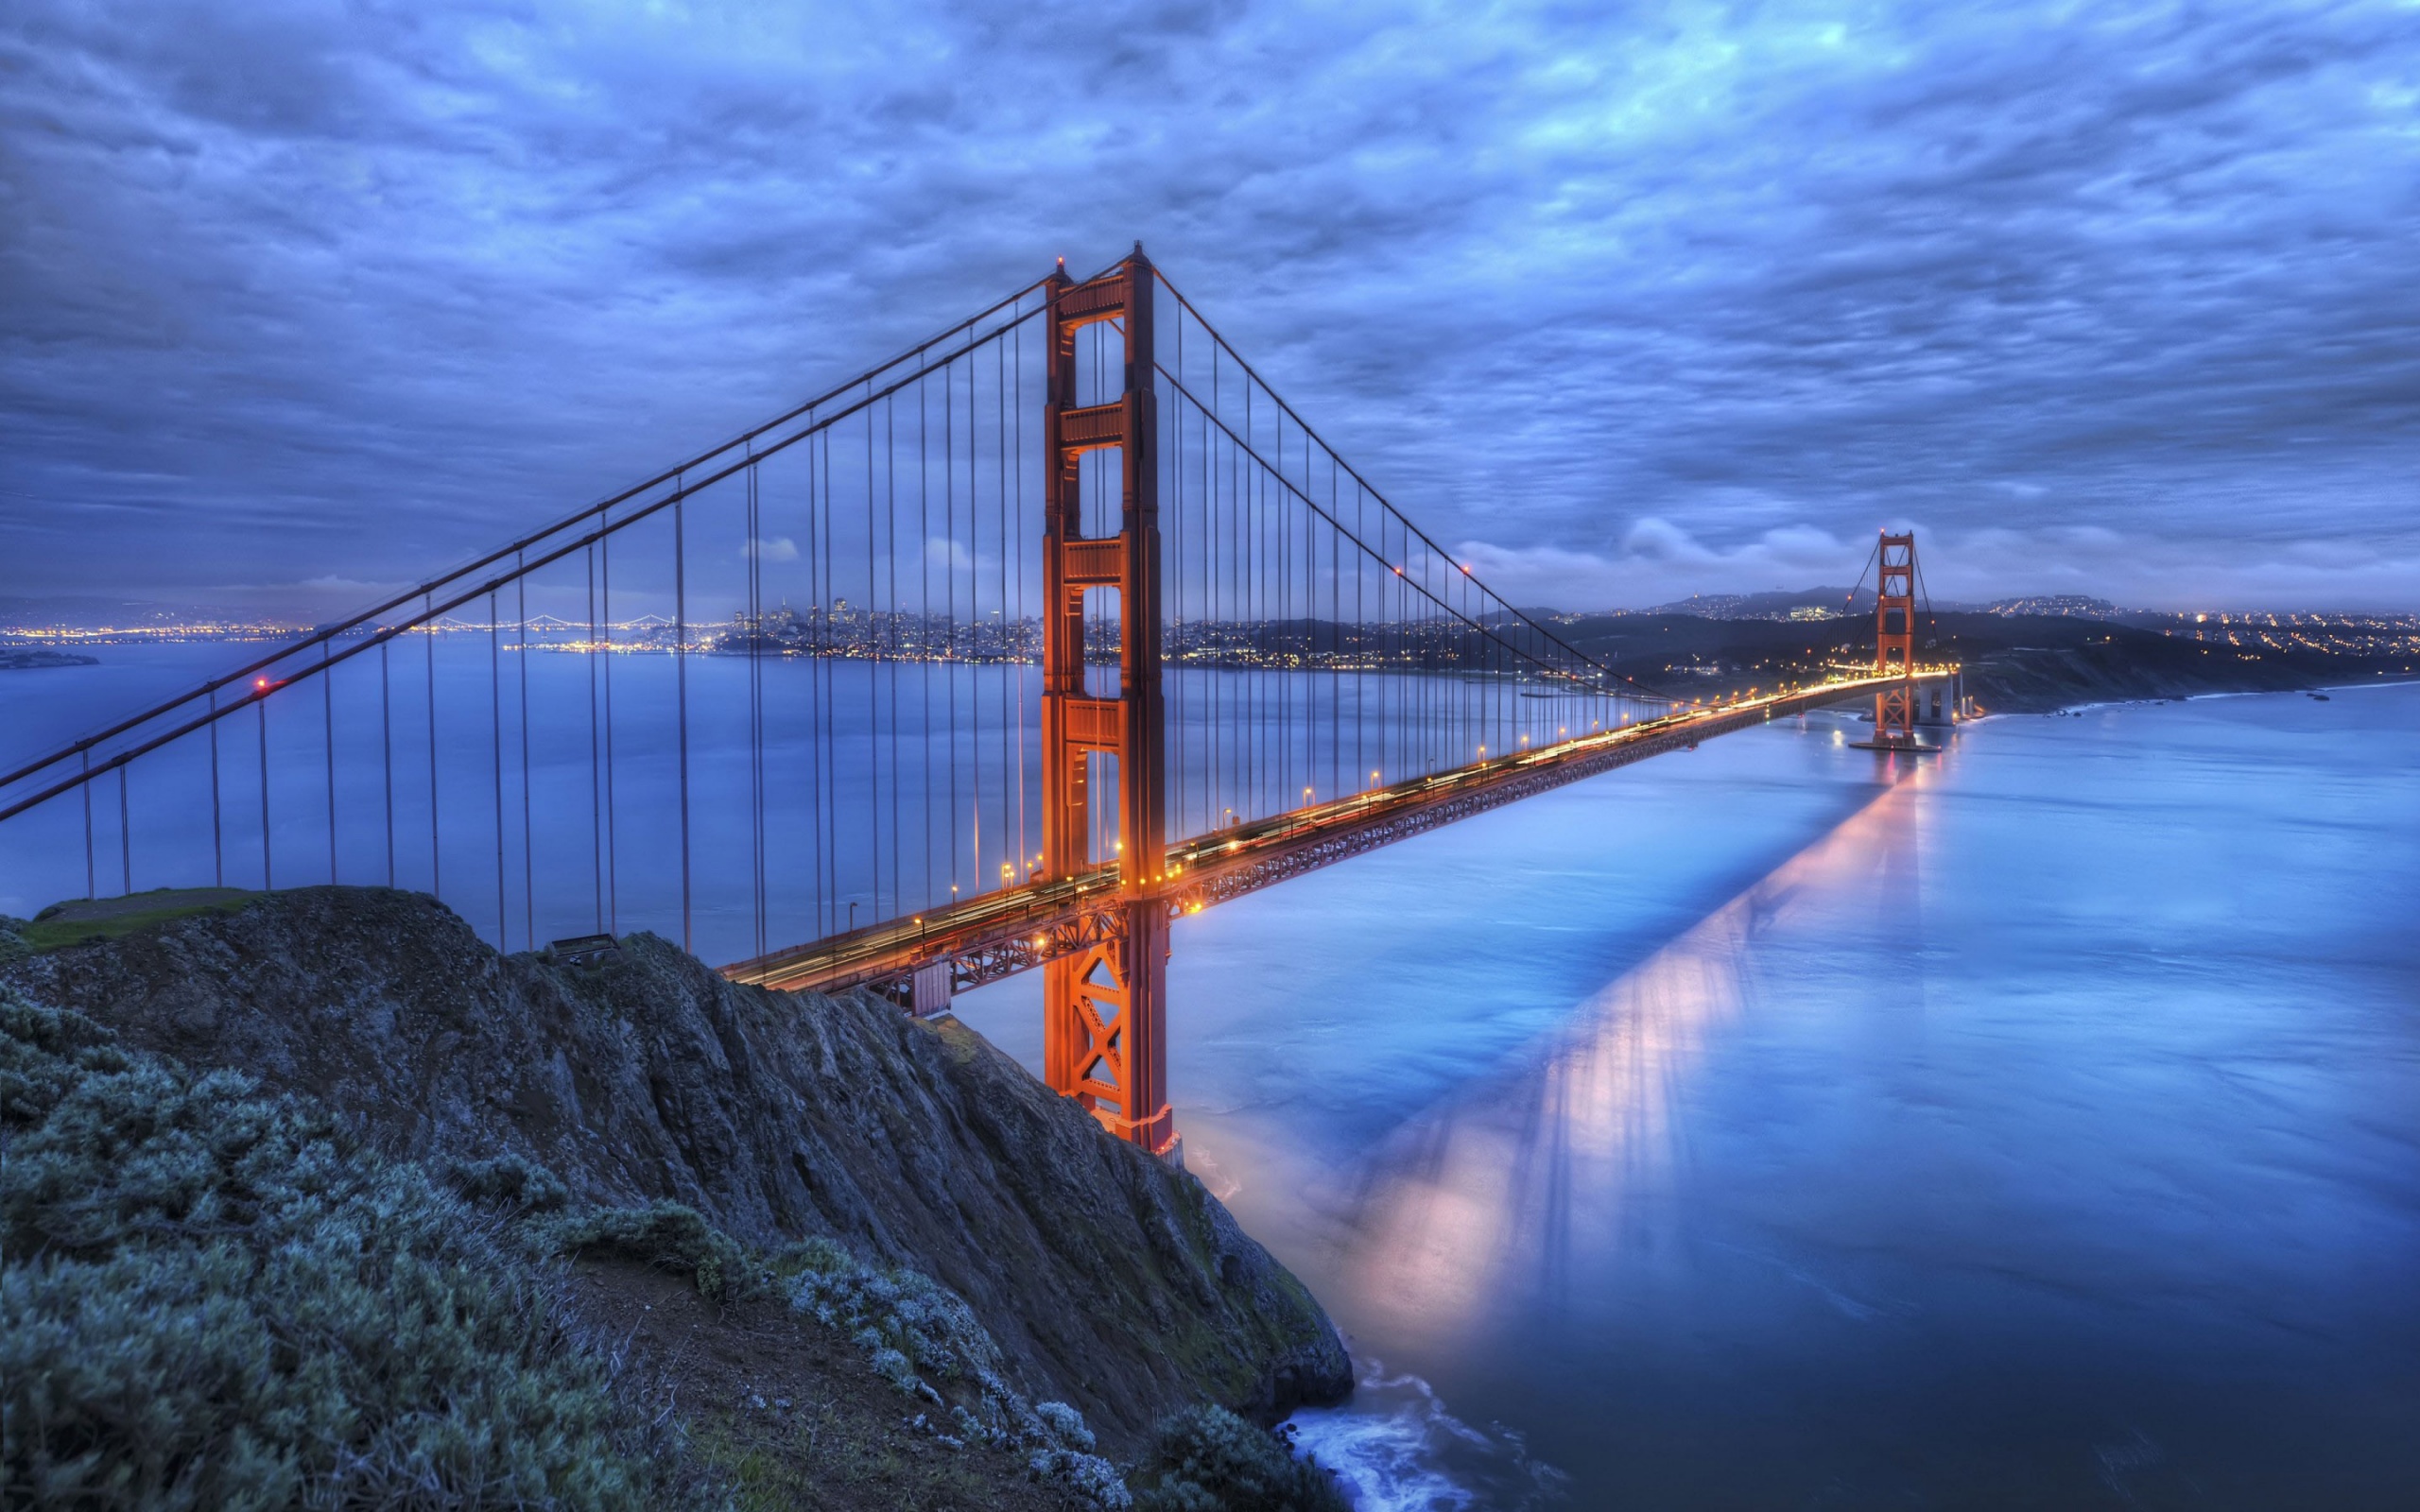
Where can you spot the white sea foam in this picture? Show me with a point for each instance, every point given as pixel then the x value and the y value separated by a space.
pixel 1395 1449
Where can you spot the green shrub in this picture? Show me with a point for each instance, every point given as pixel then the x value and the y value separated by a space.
pixel 901 1310
pixel 210 1298
pixel 1210 1460
pixel 510 1182
pixel 666 1235
pixel 911 1328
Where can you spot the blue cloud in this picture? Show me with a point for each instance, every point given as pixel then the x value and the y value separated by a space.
pixel 2104 295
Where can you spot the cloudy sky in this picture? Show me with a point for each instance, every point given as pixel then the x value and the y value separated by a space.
pixel 1626 300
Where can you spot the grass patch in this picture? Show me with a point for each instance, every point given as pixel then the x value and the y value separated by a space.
pixel 88 918
pixel 211 1297
pixel 666 1235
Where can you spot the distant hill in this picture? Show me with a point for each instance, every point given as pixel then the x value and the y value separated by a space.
pixel 2013 662
pixel 83 611
pixel 2075 605
pixel 1779 604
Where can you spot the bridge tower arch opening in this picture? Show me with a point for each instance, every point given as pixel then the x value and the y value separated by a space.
pixel 1105 1008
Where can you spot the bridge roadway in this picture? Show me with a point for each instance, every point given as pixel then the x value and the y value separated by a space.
pixel 1001 933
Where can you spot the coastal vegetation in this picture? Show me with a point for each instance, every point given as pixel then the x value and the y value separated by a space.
pixel 764 1252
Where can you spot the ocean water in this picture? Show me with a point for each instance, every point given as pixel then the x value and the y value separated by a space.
pixel 542 793
pixel 1769 1125
pixel 1777 1125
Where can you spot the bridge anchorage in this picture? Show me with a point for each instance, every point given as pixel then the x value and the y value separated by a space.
pixel 893 676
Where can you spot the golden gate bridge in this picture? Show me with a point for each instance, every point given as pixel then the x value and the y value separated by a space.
pixel 1095 631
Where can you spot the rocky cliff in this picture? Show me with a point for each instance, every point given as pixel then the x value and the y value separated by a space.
pixel 1108 1280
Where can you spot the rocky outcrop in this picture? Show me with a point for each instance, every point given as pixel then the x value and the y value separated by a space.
pixel 1109 1279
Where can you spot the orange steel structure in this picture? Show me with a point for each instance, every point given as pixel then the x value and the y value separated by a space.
pixel 1894 641
pixel 1098 926
pixel 1105 1004
pixel 1070 916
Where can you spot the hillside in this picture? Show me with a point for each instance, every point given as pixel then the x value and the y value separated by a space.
pixel 1104 1280
pixel 2015 663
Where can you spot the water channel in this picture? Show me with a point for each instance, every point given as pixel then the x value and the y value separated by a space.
pixel 1773 1126
pixel 1769 1125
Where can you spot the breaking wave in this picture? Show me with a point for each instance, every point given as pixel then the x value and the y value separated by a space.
pixel 1395 1449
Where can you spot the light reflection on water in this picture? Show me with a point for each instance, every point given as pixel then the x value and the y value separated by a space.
pixel 1759 1129
pixel 1764 1127
pixel 1496 1193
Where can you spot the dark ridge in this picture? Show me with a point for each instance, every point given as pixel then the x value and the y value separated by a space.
pixel 1109 1279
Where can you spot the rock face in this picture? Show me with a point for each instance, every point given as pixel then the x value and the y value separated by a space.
pixel 1110 1280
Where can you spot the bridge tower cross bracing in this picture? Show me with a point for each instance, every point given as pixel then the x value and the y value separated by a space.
pixel 1894 639
pixel 1105 1008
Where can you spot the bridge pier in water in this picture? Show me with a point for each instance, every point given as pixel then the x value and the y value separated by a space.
pixel 1105 1008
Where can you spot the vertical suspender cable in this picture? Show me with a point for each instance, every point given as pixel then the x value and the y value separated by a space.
pixel 924 635
pixel 387 748
pixel 1016 369
pixel 1174 743
pixel 680 694
pixel 268 875
pixel 528 846
pixel 949 584
pixel 217 839
pixel 890 559
pixel 974 625
pixel 1000 527
pixel 752 534
pixel 1254 725
pixel 328 740
pixel 613 860
pixel 830 663
pixel 124 831
pixel 596 792
pixel 820 649
pixel 819 560
pixel 92 886
pixel 1222 609
pixel 748 623
pixel 874 689
pixel 495 758
pixel 436 851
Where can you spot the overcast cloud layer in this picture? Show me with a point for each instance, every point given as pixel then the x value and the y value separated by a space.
pixel 1633 302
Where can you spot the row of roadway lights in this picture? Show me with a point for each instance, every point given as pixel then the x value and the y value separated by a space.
pixel 1007 870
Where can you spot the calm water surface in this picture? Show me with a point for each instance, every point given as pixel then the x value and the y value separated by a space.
pixel 1770 1127
pixel 1764 1126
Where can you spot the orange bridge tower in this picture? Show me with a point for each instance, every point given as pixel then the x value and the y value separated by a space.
pixel 1105 1006
pixel 1894 641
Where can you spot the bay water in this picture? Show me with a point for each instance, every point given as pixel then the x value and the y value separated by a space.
pixel 1782 1126
pixel 1774 1125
